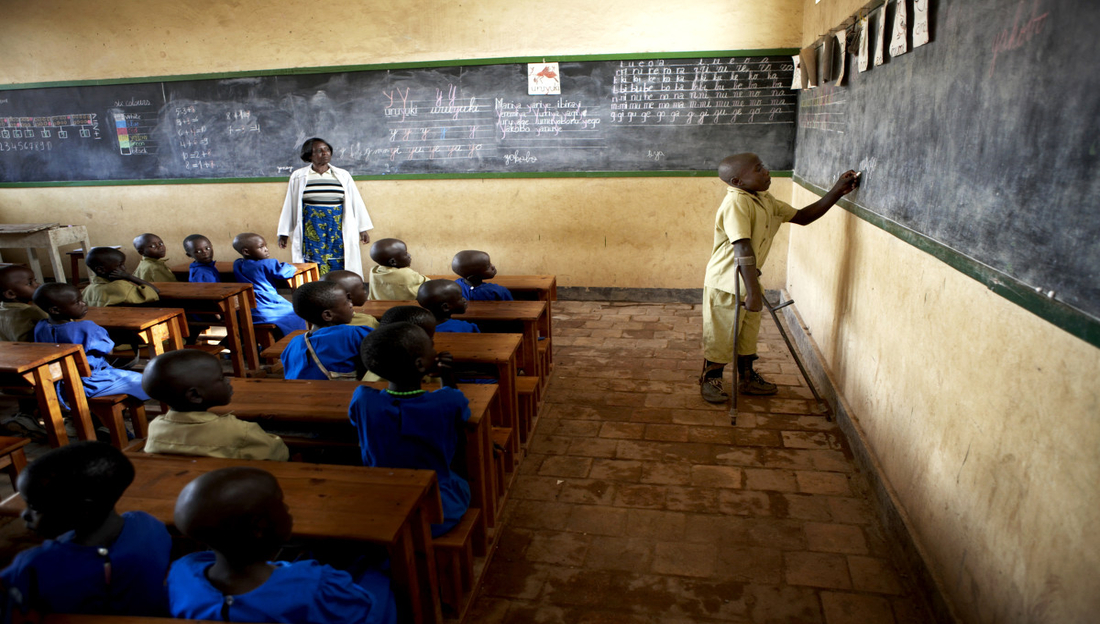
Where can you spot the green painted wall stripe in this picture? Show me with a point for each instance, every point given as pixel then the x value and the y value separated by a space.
pixel 401 176
pixel 640 56
pixel 1066 317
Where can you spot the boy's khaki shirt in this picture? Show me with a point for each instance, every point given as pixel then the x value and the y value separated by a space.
pixel 755 216
pixel 210 435
pixel 390 284
pixel 154 270
pixel 17 321
pixel 102 292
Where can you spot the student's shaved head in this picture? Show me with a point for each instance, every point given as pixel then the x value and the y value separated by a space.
pixel 734 166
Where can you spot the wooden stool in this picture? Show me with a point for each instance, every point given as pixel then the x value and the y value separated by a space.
pixel 454 558
pixel 12 457
pixel 108 409
pixel 75 256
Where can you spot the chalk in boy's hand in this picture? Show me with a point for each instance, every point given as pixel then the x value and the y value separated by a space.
pixel 847 182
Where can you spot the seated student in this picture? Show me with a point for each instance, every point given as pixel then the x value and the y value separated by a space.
pixel 331 349
pixel 405 426
pixel 191 382
pixel 257 267
pixel 357 289
pixel 18 314
pixel 408 314
pixel 111 284
pixel 94 561
pixel 392 279
pixel 153 267
pixel 65 307
pixel 474 268
pixel 240 514
pixel 203 268
pixel 444 298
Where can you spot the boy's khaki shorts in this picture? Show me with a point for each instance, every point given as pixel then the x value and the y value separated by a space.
pixel 718 319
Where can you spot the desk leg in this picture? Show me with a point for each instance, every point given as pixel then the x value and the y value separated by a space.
pixel 36 266
pixel 413 585
pixel 530 362
pixel 48 404
pixel 425 563
pixel 478 447
pixel 177 331
pixel 78 401
pixel 248 333
pixel 233 332
pixel 509 401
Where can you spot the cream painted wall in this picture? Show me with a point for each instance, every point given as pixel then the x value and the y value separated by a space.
pixel 620 232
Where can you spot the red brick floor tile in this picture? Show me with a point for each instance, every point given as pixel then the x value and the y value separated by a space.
pixel 623 470
pixel 871 574
pixel 750 564
pixel 684 559
pixel 558 548
pixel 619 553
pixel 538 514
pixel 826 570
pixel 656 525
pixel 744 502
pixel 516 579
pixel 728 477
pixel 587 491
pixel 621 430
pixel 565 466
pixel 847 608
pixel 597 520
pixel 839 538
pixel 693 499
pixel 830 483
pixel 642 496
pixel 661 473
pixel 765 479
pixel 667 433
pixel 593 447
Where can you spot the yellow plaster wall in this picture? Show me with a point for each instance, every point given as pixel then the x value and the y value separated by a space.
pixel 625 232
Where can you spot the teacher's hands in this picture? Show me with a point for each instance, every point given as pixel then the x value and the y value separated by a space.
pixel 364 238
pixel 282 242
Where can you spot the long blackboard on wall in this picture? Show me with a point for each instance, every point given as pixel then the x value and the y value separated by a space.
pixel 982 147
pixel 623 115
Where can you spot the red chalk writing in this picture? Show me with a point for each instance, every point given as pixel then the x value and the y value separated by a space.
pixel 1019 34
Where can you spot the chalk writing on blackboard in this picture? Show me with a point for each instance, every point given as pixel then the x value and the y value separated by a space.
pixel 1019 34
pixel 824 109
pixel 707 91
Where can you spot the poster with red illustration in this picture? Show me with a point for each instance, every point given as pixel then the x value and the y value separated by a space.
pixel 543 79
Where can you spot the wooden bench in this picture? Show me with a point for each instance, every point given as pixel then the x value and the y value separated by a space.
pixel 454 559
pixel 528 390
pixel 109 409
pixel 12 457
pixel 39 366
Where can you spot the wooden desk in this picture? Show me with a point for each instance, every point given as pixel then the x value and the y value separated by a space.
pixel 384 506
pixel 51 236
pixel 534 315
pixel 41 365
pixel 496 349
pixel 326 402
pixel 307 272
pixel 154 326
pixel 234 302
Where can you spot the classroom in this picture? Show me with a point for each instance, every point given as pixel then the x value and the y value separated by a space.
pixel 972 418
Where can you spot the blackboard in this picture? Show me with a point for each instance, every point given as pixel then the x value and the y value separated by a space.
pixel 611 115
pixel 985 141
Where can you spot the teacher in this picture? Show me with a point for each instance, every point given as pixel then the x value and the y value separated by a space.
pixel 324 213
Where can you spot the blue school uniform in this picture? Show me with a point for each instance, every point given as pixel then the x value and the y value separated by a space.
pixel 337 347
pixel 485 291
pixel 105 379
pixel 303 591
pixel 418 432
pixel 270 306
pixel 456 326
pixel 62 577
pixel 206 273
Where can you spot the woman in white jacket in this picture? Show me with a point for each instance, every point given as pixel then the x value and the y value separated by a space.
pixel 324 217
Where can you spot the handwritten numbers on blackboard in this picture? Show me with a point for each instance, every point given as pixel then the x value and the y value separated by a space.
pixel 880 36
pixel 898 44
pixel 920 23
pixel 864 44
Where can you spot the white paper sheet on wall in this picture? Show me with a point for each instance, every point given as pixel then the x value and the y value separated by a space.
pixel 864 45
pixel 898 44
pixel 809 66
pixel 880 36
pixel 796 80
pixel 920 23
pixel 841 50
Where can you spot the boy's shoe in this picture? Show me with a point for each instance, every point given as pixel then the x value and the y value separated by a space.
pixel 24 425
pixel 712 391
pixel 753 384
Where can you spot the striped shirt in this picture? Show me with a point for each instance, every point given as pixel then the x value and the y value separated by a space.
pixel 323 189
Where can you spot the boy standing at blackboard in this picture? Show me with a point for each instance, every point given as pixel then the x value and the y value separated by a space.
pixel 744 228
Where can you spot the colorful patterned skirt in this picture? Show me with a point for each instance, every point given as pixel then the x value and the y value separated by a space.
pixel 323 236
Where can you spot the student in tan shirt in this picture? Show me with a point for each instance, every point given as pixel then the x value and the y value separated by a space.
pixel 191 382
pixel 392 279
pixel 153 266
pixel 18 315
pixel 112 284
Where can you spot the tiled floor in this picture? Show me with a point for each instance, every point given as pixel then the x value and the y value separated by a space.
pixel 639 502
